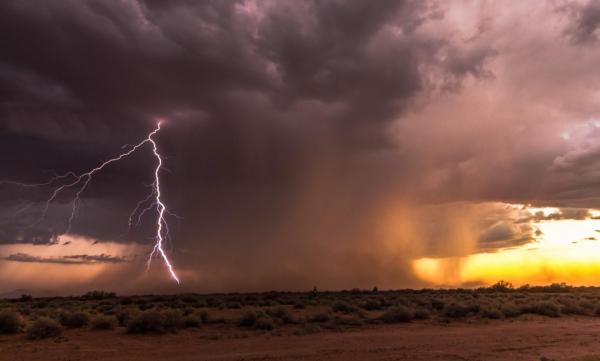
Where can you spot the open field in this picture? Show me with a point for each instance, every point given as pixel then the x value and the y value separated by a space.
pixel 496 323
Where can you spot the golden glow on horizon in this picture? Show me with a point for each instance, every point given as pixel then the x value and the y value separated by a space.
pixel 565 251
pixel 43 275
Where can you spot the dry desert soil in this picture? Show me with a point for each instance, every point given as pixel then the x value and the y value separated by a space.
pixel 531 338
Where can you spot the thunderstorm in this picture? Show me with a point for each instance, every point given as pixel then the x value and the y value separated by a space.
pixel 81 181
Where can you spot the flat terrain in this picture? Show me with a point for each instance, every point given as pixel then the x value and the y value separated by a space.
pixel 528 338
pixel 556 322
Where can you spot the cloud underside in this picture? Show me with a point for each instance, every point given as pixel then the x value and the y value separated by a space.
pixel 68 259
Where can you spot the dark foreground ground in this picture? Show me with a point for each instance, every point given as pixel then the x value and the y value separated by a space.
pixel 567 338
pixel 496 323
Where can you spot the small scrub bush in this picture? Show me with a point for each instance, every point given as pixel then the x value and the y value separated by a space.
pixel 10 322
pixel 320 317
pixel 458 310
pixel 344 307
pixel 492 313
pixel 372 304
pixel 510 310
pixel 248 319
pixel 43 327
pixel 422 314
pixel 544 308
pixel 264 322
pixel 146 322
pixel 76 319
pixel 192 321
pixel 103 322
pixel 172 320
pixel 398 314
pixel 125 314
pixel 204 316
pixel 282 314
pixel 258 320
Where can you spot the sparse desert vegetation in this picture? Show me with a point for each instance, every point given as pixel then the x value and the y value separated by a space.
pixel 221 317
pixel 289 312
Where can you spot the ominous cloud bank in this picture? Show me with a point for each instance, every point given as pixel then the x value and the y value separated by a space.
pixel 310 143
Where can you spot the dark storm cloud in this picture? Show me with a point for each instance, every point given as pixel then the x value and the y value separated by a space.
pixel 72 259
pixel 585 22
pixel 279 134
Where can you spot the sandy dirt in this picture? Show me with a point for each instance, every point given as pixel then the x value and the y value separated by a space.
pixel 560 339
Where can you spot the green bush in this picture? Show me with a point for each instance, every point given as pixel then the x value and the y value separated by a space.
pixel 172 320
pixel 192 320
pixel 510 310
pixel 398 314
pixel 264 322
pixel 422 314
pixel 10 322
pixel 147 322
pixel 103 322
pixel 281 314
pixel 124 315
pixel 43 327
pixel 76 319
pixel 544 308
pixel 458 310
pixel 320 317
pixel 248 319
pixel 98 295
pixel 258 320
pixel 492 313
pixel 344 307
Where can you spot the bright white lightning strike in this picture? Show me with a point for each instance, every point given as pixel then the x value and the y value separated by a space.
pixel 83 180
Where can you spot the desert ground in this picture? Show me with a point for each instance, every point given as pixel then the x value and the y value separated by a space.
pixel 496 323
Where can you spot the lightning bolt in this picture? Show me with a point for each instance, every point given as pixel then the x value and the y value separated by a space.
pixel 81 182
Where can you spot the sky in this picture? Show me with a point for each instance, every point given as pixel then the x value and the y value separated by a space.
pixel 336 144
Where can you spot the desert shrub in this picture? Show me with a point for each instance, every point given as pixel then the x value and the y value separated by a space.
pixel 438 304
pixel 571 307
pixel 501 286
pixel 372 304
pixel 319 317
pixel 492 313
pixel 125 314
pixel 74 319
pixel 258 320
pixel 397 314
pixel 281 314
pixel 588 306
pixel 544 308
pixel 192 320
pixel 10 322
pixel 25 298
pixel 299 306
pixel 458 310
pixel 422 314
pixel 172 320
pixel 350 321
pixel 264 322
pixel 510 310
pixel 146 322
pixel 341 306
pixel 103 322
pixel 98 295
pixel 248 319
pixel 43 327
pixel 234 305
pixel 204 316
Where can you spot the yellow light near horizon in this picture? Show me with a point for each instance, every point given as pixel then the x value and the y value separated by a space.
pixel 566 251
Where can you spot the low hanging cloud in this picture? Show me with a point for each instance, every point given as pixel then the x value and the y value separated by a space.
pixel 70 259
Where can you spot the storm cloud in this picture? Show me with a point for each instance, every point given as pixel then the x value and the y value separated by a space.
pixel 307 142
